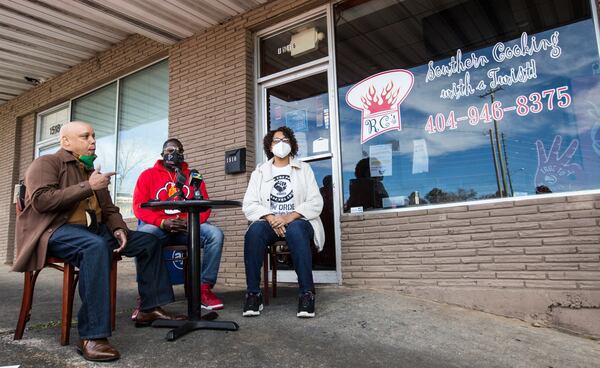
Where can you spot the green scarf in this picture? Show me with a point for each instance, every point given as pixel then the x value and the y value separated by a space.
pixel 88 162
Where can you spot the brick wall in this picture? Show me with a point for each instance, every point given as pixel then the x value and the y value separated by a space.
pixel 545 243
pixel 212 110
pixel 24 143
pixel 535 259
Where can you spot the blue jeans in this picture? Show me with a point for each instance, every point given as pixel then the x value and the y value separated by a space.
pixel 92 254
pixel 298 235
pixel 211 238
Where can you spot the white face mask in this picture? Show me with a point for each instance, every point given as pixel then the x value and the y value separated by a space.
pixel 281 149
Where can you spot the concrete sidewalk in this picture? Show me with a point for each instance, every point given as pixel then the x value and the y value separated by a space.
pixel 353 328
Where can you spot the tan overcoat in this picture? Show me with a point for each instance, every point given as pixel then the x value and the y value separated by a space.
pixel 55 185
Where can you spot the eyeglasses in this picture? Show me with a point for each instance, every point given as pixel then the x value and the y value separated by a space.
pixel 284 140
pixel 169 150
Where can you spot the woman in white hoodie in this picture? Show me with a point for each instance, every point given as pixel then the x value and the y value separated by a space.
pixel 282 201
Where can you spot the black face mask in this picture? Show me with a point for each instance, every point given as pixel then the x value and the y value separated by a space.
pixel 174 159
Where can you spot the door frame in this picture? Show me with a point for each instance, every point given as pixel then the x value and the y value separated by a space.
pixel 322 65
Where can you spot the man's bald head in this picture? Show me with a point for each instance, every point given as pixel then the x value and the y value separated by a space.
pixel 72 127
pixel 78 137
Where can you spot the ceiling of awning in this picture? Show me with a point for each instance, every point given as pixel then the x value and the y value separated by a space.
pixel 40 39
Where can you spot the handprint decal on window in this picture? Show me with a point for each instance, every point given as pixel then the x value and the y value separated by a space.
pixel 554 170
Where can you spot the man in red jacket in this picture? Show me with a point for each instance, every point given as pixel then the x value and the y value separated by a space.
pixel 170 226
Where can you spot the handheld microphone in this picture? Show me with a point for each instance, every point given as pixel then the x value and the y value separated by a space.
pixel 196 182
pixel 179 182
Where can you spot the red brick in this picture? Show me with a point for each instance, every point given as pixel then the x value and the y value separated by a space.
pixel 569 275
pixel 550 284
pixel 521 275
pixel 517 259
pixel 553 267
pixel 551 250
pixel 477 259
pixel 500 251
pixel 517 243
pixel 502 267
pixel 450 283
pixel 573 258
pixel 457 267
pixel 501 283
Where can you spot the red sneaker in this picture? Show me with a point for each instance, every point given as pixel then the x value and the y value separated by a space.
pixel 209 299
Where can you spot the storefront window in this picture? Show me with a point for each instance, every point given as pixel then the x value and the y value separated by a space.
pixel 129 129
pixel 99 108
pixel 452 101
pixel 143 127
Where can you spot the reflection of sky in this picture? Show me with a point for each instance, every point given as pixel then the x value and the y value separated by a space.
pixel 143 126
pixel 139 148
pixel 462 158
pixel 307 117
pixel 321 169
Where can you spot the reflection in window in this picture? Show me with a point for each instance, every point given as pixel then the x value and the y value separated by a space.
pixel 303 106
pixel 325 259
pixel 500 102
pixel 142 126
pixel 48 149
pixel 99 109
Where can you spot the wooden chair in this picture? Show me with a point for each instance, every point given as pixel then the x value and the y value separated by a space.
pixel 70 279
pixel 274 253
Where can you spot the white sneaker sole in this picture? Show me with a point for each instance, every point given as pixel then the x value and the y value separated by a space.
pixel 212 307
pixel 252 313
pixel 305 315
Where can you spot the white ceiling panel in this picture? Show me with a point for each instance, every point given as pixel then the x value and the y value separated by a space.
pixel 40 39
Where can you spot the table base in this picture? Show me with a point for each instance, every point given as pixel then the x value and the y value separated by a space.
pixel 181 328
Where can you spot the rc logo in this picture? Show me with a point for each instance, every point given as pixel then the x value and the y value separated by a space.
pixel 379 97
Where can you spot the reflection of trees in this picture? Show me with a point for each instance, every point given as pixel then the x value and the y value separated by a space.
pixel 436 195
pixel 129 159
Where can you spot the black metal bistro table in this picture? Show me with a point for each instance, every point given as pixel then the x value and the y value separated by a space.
pixel 195 320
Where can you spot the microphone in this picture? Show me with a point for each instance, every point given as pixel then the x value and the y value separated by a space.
pixel 196 182
pixel 179 182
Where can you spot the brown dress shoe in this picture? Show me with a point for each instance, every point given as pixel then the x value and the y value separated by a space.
pixel 98 350
pixel 144 319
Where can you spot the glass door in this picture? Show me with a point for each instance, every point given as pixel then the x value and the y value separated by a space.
pixel 302 104
pixel 294 80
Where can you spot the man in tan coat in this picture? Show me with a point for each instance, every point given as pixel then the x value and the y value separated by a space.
pixel 69 214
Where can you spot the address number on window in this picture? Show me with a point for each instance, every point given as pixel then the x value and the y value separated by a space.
pixel 54 129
